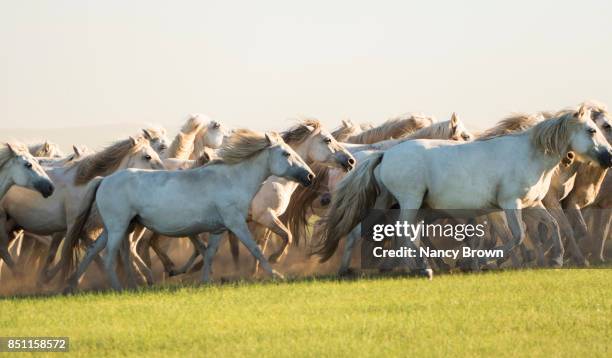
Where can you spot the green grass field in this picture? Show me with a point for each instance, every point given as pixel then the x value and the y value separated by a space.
pixel 535 313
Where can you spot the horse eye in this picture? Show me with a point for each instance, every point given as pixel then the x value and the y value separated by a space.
pixel 163 147
pixel 607 126
pixel 28 165
pixel 466 136
pixel 592 130
pixel 327 140
pixel 147 157
pixel 286 154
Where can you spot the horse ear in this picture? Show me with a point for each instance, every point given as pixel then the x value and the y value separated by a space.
pixel 454 120
pixel 147 134
pixel 76 150
pixel 47 147
pixel 345 123
pixel 310 128
pixel 12 148
pixel 133 140
pixel 581 112
pixel 270 138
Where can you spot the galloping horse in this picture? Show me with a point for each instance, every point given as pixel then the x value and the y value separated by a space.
pixel 508 172
pixel 214 198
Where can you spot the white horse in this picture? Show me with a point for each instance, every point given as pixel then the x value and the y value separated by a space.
pixel 54 215
pixel 182 144
pixel 214 198
pixel 45 149
pixel 78 153
pixel 346 130
pixel 157 139
pixel 509 172
pixel 397 127
pixel 211 135
pixel 19 168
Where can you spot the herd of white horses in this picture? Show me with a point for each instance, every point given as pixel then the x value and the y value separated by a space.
pixel 306 183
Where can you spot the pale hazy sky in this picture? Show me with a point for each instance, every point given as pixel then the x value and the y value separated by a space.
pixel 259 63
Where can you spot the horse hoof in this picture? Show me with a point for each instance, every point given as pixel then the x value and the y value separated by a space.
pixel 428 273
pixel 556 263
pixel 277 275
pixel 69 290
pixel 582 262
pixel 530 256
pixel 346 273
pixel 444 267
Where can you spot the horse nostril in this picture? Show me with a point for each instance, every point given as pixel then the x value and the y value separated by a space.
pixel 311 176
pixel 351 161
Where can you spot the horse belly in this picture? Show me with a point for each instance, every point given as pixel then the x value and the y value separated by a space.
pixel 42 217
pixel 459 192
pixel 458 200
pixel 182 223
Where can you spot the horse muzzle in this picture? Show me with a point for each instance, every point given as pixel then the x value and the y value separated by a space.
pixel 605 158
pixel 305 178
pixel 348 163
pixel 325 199
pixel 45 188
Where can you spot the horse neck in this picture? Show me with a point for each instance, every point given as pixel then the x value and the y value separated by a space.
pixel 546 162
pixel 590 177
pixel 250 174
pixel 302 148
pixel 5 181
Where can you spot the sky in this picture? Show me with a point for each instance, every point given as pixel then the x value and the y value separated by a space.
pixel 260 64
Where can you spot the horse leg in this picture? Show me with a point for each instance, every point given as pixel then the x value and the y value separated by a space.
pixel 235 250
pixel 92 252
pixel 409 206
pixel 142 269
pixel 38 248
pixel 165 259
pixel 25 255
pixel 516 225
pixel 56 240
pixel 283 232
pixel 187 264
pixel 568 232
pixel 199 250
pixel 4 251
pixel 500 227
pixel 601 227
pixel 553 227
pixel 115 240
pixel 581 232
pixel 124 253
pixel 143 247
pixel 353 237
pixel 262 242
pixel 533 228
pixel 241 230
pixel 211 250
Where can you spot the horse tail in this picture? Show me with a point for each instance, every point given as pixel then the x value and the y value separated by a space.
pixel 234 248
pixel 354 195
pixel 71 242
